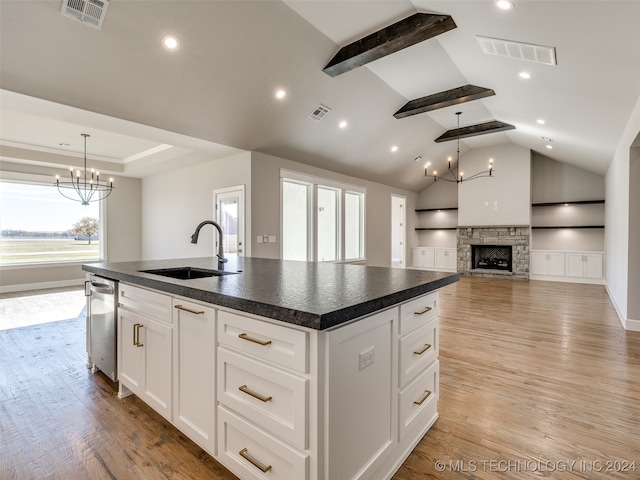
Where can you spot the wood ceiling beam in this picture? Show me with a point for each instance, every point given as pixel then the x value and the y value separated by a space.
pixel 414 29
pixel 493 126
pixel 455 96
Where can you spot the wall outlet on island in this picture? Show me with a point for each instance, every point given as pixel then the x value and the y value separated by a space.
pixel 367 357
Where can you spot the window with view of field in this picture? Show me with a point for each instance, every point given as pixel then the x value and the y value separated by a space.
pixel 38 225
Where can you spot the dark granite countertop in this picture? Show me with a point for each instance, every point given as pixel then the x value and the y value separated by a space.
pixel 314 295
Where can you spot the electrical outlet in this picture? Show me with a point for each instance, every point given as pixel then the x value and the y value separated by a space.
pixel 367 357
pixel 272 239
pixel 259 239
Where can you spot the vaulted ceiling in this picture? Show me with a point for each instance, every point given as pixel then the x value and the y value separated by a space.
pixel 148 109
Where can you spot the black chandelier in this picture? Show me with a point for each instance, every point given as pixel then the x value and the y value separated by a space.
pixel 84 187
pixel 454 174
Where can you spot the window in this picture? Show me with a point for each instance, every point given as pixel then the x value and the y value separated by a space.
pixel 37 226
pixel 322 220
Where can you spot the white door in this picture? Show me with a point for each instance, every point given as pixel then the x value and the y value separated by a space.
pixel 229 207
pixel 398 221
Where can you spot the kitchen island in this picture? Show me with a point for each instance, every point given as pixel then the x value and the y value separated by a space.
pixel 283 369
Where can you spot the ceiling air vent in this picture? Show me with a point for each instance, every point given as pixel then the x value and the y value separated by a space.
pixel 89 12
pixel 319 112
pixel 518 50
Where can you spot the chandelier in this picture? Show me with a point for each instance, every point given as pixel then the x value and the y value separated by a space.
pixel 452 173
pixel 84 187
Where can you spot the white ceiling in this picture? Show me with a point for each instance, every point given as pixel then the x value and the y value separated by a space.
pixel 149 110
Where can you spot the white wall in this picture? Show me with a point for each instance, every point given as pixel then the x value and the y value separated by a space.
pixel 123 236
pixel 504 199
pixel 175 202
pixel 617 212
pixel 265 174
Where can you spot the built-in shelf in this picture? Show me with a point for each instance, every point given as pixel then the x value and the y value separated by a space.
pixel 435 209
pixel 436 228
pixel 566 226
pixel 556 204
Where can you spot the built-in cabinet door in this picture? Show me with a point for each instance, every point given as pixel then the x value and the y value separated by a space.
pixel 575 265
pixel 131 361
pixel 593 266
pixel 194 372
pixel 555 265
pixel 156 338
pixel 538 263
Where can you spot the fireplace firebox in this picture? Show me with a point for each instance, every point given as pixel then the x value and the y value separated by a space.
pixel 492 257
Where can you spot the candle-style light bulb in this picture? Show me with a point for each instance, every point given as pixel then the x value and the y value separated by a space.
pixel 449 163
pixel 461 174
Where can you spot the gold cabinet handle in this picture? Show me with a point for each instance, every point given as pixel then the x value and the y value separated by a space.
pixel 136 335
pixel 424 349
pixel 422 312
pixel 245 454
pixel 180 307
pixel 246 337
pixel 421 401
pixel 262 398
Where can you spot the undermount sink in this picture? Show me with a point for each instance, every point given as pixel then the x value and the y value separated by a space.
pixel 188 273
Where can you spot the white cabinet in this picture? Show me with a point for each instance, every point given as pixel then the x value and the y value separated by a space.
pixel 263 398
pixel 584 265
pixel 194 370
pixel 434 258
pixel 422 257
pixel 547 263
pixel 362 397
pixel 145 347
pixel 580 267
pixel 274 401
pixel 445 259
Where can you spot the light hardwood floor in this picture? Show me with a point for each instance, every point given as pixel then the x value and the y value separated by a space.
pixel 533 376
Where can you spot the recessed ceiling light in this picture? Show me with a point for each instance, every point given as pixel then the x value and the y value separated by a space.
pixel 540 121
pixel 550 147
pixel 170 42
pixel 343 124
pixel 394 148
pixel 281 94
pixel 504 4
pixel 525 75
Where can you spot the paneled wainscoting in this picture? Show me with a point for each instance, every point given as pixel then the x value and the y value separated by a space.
pixel 533 376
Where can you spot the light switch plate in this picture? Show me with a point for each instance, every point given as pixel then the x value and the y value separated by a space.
pixel 272 239
pixel 259 239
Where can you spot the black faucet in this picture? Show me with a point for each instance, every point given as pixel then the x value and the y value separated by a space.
pixel 220 254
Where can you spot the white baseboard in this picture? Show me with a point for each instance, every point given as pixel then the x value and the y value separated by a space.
pixel 633 325
pixel 40 286
pixel 621 316
pixel 549 278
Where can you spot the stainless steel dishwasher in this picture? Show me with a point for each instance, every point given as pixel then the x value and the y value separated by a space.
pixel 102 325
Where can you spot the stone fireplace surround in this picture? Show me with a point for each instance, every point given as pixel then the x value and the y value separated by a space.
pixel 518 236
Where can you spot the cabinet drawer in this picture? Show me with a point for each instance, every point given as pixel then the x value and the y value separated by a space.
pixel 146 302
pixel 248 451
pixel 417 350
pixel 281 345
pixel 271 398
pixel 419 400
pixel 418 311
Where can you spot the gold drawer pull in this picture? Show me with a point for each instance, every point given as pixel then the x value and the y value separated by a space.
pixel 426 395
pixel 422 312
pixel 426 347
pixel 244 454
pixel 262 398
pixel 244 336
pixel 180 307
